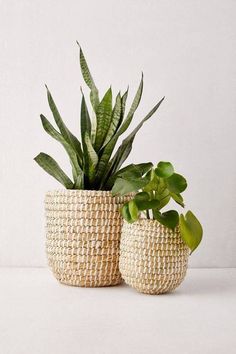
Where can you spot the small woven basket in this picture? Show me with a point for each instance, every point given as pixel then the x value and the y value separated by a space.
pixel 153 258
pixel 83 236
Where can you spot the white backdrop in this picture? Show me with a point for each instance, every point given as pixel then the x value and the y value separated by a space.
pixel 187 52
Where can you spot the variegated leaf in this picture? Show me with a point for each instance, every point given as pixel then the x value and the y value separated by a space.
pixel 116 115
pixel 70 151
pixel 90 159
pixel 67 135
pixel 104 115
pixel 89 80
pixel 51 166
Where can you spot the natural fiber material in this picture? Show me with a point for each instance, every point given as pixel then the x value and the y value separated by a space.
pixel 153 258
pixel 83 236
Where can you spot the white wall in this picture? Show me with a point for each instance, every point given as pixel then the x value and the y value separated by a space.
pixel 187 52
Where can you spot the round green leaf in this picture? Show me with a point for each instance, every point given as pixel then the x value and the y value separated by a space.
pixel 164 169
pixel 141 197
pixel 176 183
pixel 125 213
pixel 169 218
pixel 149 204
pixel 133 210
pixel 191 230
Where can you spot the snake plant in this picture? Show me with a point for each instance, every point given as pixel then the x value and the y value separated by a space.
pixel 94 163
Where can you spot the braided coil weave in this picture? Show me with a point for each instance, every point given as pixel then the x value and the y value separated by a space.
pixel 153 258
pixel 83 236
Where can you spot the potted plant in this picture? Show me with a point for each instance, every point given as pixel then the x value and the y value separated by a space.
pixel 155 245
pixel 83 222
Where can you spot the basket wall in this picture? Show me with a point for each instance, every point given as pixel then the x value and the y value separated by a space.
pixel 153 258
pixel 83 236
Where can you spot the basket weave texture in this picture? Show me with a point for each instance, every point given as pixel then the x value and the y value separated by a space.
pixel 153 258
pixel 83 236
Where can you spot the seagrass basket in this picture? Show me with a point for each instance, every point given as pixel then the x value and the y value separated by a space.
pixel 153 258
pixel 83 231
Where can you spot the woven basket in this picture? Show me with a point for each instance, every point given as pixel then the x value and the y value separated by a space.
pixel 153 258
pixel 83 236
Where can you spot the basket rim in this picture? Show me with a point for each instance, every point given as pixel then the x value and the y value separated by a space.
pixel 142 222
pixel 80 191
pixel 87 192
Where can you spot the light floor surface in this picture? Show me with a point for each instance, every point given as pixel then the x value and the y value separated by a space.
pixel 40 316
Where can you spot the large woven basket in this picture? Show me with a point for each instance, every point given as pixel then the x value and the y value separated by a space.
pixel 83 236
pixel 153 258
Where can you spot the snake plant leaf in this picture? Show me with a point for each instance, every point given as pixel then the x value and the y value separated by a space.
pixel 123 103
pixel 51 167
pixel 104 116
pixel 177 198
pixel 94 97
pixel 67 135
pixel 126 146
pixel 70 151
pixel 133 108
pixel 90 158
pixel 132 170
pixel 125 213
pixel 85 123
pixel 107 152
pixel 133 210
pixel 79 182
pixel 191 230
pixel 115 119
pixel 169 219
pixel 176 183
pixel 164 169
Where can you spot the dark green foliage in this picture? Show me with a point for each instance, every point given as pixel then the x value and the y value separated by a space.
pixel 154 189
pixel 94 162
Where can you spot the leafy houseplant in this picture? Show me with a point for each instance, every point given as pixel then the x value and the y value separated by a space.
pixel 93 166
pixel 85 215
pixel 159 243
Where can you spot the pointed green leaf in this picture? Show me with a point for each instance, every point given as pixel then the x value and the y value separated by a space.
pixel 115 119
pixel 85 123
pixel 90 158
pixel 107 152
pixel 67 135
pixel 70 151
pixel 133 107
pixel 89 80
pixel 126 146
pixel 176 183
pixel 79 182
pixel 169 219
pixel 191 230
pixel 123 103
pixel 51 166
pixel 177 198
pixel 164 169
pixel 104 115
